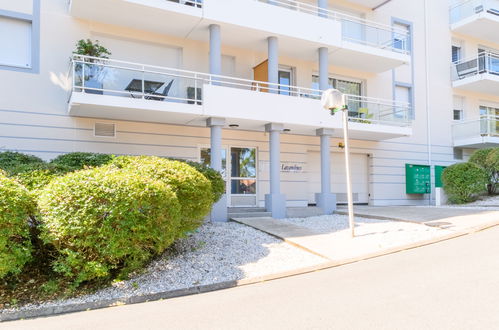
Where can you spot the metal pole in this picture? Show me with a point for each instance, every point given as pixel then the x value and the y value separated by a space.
pixel 347 168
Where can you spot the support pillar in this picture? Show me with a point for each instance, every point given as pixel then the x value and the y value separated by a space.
pixel 273 63
pixel 325 199
pixel 323 6
pixel 275 202
pixel 215 49
pixel 219 209
pixel 323 68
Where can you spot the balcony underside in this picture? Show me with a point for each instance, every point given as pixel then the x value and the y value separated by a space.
pixel 368 3
pixel 477 142
pixel 485 83
pixel 483 26
pixel 241 30
pixel 249 109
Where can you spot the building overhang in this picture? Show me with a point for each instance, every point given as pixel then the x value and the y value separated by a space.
pixel 483 26
pixel 485 83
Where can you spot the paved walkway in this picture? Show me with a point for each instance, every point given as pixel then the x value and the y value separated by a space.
pixel 453 218
pixel 340 247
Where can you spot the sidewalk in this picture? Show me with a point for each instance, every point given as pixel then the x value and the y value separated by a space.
pixel 397 228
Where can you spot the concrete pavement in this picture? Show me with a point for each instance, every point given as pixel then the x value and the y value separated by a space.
pixel 449 285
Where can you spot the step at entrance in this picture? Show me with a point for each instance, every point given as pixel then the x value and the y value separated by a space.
pixel 248 212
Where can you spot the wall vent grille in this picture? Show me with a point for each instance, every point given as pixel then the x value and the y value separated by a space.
pixel 105 130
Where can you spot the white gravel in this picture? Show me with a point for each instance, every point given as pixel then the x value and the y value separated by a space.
pixel 217 252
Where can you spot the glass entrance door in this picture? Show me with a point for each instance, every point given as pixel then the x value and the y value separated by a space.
pixel 243 176
pixel 239 172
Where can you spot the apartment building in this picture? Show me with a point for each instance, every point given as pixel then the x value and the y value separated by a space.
pixel 245 77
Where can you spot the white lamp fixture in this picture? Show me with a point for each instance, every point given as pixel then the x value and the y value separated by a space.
pixel 333 100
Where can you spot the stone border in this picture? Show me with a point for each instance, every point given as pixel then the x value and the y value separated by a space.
pixel 80 307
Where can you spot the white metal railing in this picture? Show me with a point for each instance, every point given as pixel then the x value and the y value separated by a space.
pixel 192 3
pixel 485 63
pixel 139 81
pixel 468 8
pixel 481 126
pixel 354 29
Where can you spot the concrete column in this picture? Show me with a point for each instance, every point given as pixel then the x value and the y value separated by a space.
pixel 325 200
pixel 275 202
pixel 323 6
pixel 323 68
pixel 215 49
pixel 273 63
pixel 219 209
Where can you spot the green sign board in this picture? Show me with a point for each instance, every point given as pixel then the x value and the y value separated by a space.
pixel 417 179
pixel 438 176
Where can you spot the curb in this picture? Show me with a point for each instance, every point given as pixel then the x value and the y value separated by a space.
pixel 80 307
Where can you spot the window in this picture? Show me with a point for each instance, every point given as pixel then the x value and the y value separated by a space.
pixel 343 85
pixel 286 79
pixel 456 54
pixel 458 154
pixel 15 35
pixel 457 114
pixel 403 94
pixel 401 34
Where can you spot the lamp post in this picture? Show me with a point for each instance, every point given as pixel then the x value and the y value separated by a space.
pixel 333 100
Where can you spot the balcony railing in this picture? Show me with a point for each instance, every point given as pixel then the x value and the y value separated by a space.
pixel 100 76
pixel 468 8
pixel 354 29
pixel 484 63
pixel 192 3
pixel 479 127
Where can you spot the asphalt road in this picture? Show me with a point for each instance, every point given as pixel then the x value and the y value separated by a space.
pixel 449 285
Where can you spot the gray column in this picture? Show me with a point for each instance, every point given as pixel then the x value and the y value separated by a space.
pixel 219 209
pixel 275 202
pixel 322 4
pixel 273 62
pixel 325 199
pixel 323 68
pixel 215 49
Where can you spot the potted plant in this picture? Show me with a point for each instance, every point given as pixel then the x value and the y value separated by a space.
pixel 90 72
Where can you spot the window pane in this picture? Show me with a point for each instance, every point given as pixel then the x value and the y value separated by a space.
pixel 243 187
pixel 243 162
pixel 15 36
pixel 206 159
pixel 457 115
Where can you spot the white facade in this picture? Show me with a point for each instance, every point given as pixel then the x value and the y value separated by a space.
pixel 405 90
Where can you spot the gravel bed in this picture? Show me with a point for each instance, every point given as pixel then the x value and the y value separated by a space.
pixel 217 252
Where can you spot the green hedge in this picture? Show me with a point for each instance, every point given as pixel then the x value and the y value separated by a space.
pixel 216 179
pixel 80 160
pixel 107 221
pixel 36 176
pixel 481 159
pixel 10 160
pixel 16 207
pixel 464 182
pixel 193 189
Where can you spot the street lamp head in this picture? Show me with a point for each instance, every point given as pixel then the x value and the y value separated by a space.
pixel 333 100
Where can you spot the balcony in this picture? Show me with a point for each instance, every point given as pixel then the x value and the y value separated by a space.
pixel 479 75
pixel 302 28
pixel 112 89
pixel 482 132
pixel 476 18
pixel 368 3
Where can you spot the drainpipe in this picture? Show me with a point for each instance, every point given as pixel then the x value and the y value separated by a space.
pixel 428 107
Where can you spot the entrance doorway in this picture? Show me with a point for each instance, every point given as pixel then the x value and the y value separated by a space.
pixel 239 172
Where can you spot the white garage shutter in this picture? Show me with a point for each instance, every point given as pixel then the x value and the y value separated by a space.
pixel 360 177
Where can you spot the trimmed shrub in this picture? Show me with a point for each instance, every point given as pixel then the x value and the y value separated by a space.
pixel 80 160
pixel 464 182
pixel 216 179
pixel 10 160
pixel 479 158
pixel 16 206
pixel 192 188
pixel 36 176
pixel 492 164
pixel 106 221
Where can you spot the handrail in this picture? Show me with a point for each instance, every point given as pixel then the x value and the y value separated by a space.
pixel 398 109
pixel 192 3
pixel 465 9
pixel 483 54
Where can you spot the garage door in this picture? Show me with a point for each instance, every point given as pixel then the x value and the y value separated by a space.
pixel 360 177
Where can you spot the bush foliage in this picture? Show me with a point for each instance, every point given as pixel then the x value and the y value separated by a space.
pixel 486 159
pixel 216 179
pixel 193 189
pixel 36 176
pixel 10 160
pixel 464 182
pixel 16 207
pixel 107 220
pixel 79 160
